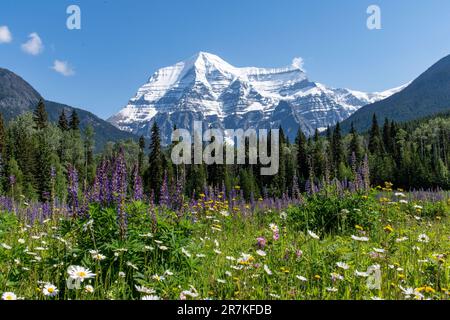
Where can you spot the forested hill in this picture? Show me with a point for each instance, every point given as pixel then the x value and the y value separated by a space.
pixel 427 95
pixel 17 97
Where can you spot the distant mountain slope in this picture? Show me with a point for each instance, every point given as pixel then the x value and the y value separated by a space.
pixel 17 96
pixel 428 94
pixel 209 89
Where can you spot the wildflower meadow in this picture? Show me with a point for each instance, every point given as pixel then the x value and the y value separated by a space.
pixel 334 241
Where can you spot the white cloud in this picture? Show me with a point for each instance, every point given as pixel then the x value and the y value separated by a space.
pixel 5 34
pixel 34 45
pixel 298 62
pixel 63 68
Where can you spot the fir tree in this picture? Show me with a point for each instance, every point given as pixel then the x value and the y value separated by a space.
pixel 302 157
pixel 74 121
pixel 141 154
pixel 89 155
pixel 354 147
pixel 40 116
pixel 2 137
pixel 63 124
pixel 375 142
pixel 387 136
pixel 155 170
pixel 337 148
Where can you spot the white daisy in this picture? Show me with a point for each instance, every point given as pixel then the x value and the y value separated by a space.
pixel 423 238
pixel 301 278
pixel 185 252
pixel 267 270
pixel 79 273
pixel 313 235
pixel 190 293
pixel 224 213
pixel 150 297
pixel 361 274
pixel 158 277
pixel 145 290
pixel 261 253
pixel 98 257
pixel 9 296
pixel 131 265
pixel 50 290
pixel 362 239
pixel 342 265
pixel 89 289
pixel 5 246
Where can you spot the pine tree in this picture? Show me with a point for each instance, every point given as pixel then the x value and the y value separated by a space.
pixel 74 121
pixel 279 181
pixel 387 136
pixel 302 157
pixel 337 147
pixel 141 154
pixel 375 141
pixel 89 155
pixel 2 137
pixel 354 147
pixel 43 166
pixel 40 116
pixel 63 124
pixel 155 170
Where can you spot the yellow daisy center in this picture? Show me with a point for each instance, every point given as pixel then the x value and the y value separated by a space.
pixel 81 274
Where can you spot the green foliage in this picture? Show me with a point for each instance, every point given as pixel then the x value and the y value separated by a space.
pixel 327 212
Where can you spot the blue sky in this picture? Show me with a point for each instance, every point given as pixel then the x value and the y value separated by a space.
pixel 122 42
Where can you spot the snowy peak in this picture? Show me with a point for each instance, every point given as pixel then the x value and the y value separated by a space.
pixel 206 87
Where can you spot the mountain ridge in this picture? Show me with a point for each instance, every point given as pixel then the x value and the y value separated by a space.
pixel 428 94
pixel 205 87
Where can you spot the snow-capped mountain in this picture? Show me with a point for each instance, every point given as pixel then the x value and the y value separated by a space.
pixel 207 88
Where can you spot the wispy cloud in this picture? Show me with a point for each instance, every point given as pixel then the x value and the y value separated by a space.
pixel 63 68
pixel 5 34
pixel 298 62
pixel 34 45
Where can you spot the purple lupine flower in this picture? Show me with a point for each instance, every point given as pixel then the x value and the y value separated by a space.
pixel 12 180
pixel 119 186
pixel 164 200
pixel 295 188
pixel 178 200
pixel 73 191
pixel 366 173
pixel 137 184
